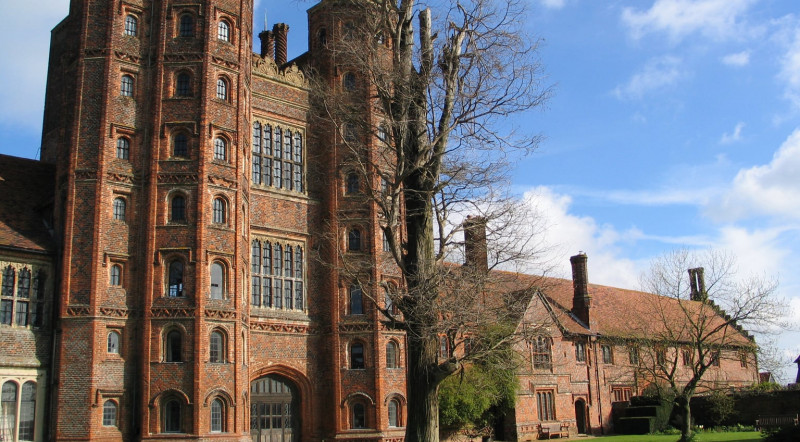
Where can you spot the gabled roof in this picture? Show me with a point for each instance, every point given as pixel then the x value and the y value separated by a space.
pixel 26 189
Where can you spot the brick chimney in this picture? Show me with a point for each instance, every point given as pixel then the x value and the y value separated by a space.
pixel 697 283
pixel 267 44
pixel 581 301
pixel 475 253
pixel 281 33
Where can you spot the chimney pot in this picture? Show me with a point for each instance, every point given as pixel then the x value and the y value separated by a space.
pixel 698 285
pixel 267 44
pixel 581 300
pixel 475 242
pixel 281 33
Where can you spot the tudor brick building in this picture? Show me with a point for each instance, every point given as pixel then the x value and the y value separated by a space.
pixel 175 273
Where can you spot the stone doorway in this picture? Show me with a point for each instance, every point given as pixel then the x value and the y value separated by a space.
pixel 274 410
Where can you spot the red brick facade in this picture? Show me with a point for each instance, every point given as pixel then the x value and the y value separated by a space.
pixel 199 217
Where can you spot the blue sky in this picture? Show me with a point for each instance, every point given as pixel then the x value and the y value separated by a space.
pixel 674 123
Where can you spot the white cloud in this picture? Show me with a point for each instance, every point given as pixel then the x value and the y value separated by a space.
pixel 737 59
pixel 716 19
pixel 658 73
pixel 733 137
pixel 772 189
pixel 553 4
pixel 790 68
pixel 25 39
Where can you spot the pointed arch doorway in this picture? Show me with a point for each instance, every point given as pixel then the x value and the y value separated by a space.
pixel 274 410
pixel 580 416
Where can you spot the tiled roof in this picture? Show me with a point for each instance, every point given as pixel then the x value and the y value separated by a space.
pixel 26 195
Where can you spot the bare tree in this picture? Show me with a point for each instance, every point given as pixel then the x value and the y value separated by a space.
pixel 696 322
pixel 424 127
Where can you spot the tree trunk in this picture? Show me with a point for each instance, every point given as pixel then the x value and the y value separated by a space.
pixel 682 418
pixel 423 391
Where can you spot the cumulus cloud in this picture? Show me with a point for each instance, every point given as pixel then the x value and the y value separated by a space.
pixel 790 68
pixel 736 135
pixel 737 59
pixel 658 73
pixel 771 189
pixel 716 19
pixel 553 4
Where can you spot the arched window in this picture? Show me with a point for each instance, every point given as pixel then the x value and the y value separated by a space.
pixel 186 26
pixel 27 411
pixel 383 133
pixel 172 346
pixel 171 416
pixel 216 347
pixel 119 209
pixel 394 413
pixel 24 284
pixel 113 342
pixel 391 355
pixel 353 185
pixel 350 81
pixel 123 148
pixel 359 418
pixel 109 413
pixel 217 290
pixel 177 212
pixel 175 279
pixel 322 37
pixel 354 240
pixel 180 146
pixel 183 86
pixel 222 89
pixel 8 402
pixel 115 275
pixel 219 211
pixel 224 31
pixel 217 416
pixel 387 300
pixel 131 25
pixel 356 300
pixel 350 134
pixel 126 86
pixel 9 275
pixel 357 356
pixel 385 244
pixel 220 149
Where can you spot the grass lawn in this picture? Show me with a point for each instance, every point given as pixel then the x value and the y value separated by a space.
pixel 702 437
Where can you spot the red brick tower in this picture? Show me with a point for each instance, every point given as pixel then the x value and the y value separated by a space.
pixel 148 119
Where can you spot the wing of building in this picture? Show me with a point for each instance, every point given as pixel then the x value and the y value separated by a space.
pixel 170 266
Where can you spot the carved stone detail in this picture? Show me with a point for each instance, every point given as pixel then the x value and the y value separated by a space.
pixel 78 310
pixel 226 63
pixel 357 327
pixel 223 182
pixel 120 178
pixel 183 57
pixel 172 312
pixel 115 312
pixel 127 57
pixel 280 328
pixel 177 178
pixel 85 174
pixel 267 67
pixel 220 314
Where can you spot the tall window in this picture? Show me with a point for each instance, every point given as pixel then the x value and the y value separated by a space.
pixel 391 355
pixel 352 185
pixel 172 346
pixel 277 275
pixel 387 300
pixel 123 148
pixel 580 351
pixel 354 240
pixel 608 354
pixel 183 87
pixel 661 356
pixel 175 279
pixel 357 356
pixel 131 25
pixel 186 26
pixel 216 347
pixel 27 412
pixel 109 413
pixel 220 211
pixel 177 212
pixel 220 149
pixel 22 297
pixel 633 355
pixel 686 355
pixel 444 347
pixel 356 300
pixel 541 351
pixel 224 31
pixel 545 405
pixel 115 275
pixel 217 290
pixel 359 418
pixel 394 413
pixel 180 146
pixel 171 416
pixel 715 355
pixel 349 81
pixel 222 89
pixel 126 86
pixel 8 402
pixel 217 416
pixel 119 209
pixel 113 342
pixel 621 394
pixel 277 157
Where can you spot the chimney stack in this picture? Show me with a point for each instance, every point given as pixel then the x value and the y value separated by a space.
pixel 280 33
pixel 475 243
pixel 581 301
pixel 697 283
pixel 267 44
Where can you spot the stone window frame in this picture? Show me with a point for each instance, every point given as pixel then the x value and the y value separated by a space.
pixel 131 26
pixel 223 90
pixel 541 348
pixel 357 360
pixel 217 415
pixel 278 165
pixel 546 404
pixel 120 208
pixel 221 149
pixel 123 150
pixel 264 273
pixel 186 30
pixel 607 351
pixel 219 210
pixel 127 85
pixel 19 385
pixel 12 297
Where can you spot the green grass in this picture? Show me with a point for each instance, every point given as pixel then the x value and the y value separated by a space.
pixel 701 437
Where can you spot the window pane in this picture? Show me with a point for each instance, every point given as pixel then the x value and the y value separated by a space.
pixel 216 415
pixel 217 280
pixel 180 147
pixel 22 314
pixel 393 413
pixel 8 404
pixel 126 86
pixel 357 356
pixel 178 209
pixel 215 347
pixel 356 302
pixel 113 342
pixel 109 414
pixel 187 26
pixel 6 309
pixel 123 148
pixel 130 25
pixel 175 279
pixel 223 31
pixel 27 411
